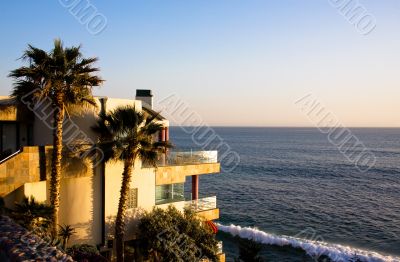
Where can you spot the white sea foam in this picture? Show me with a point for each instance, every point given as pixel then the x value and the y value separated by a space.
pixel 314 248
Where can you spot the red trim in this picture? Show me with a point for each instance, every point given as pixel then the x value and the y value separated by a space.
pixel 213 227
pixel 166 134
pixel 161 135
pixel 195 187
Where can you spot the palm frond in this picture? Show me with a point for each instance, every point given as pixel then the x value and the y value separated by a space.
pixel 149 157
pixel 151 128
pixel 25 91
pixel 62 71
pixel 125 132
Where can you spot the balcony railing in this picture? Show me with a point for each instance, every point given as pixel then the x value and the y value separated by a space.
pixel 220 247
pixel 4 156
pixel 202 204
pixel 187 158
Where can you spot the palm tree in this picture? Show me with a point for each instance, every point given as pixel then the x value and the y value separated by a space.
pixel 127 135
pixel 66 78
pixel 65 233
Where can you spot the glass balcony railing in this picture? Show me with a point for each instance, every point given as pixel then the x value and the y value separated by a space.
pixel 220 247
pixel 186 158
pixel 169 193
pixel 202 204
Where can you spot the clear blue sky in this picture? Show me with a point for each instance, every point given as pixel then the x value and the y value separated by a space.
pixel 236 62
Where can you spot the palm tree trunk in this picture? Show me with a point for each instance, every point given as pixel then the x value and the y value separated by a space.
pixel 119 221
pixel 56 164
pixel 64 243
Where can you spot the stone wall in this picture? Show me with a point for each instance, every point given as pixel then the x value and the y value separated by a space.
pixel 33 164
pixel 177 174
pixel 11 112
pixel 21 168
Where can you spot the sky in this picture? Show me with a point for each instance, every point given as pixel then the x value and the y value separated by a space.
pixel 233 62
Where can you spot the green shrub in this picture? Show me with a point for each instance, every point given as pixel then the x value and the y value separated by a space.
pixel 170 235
pixel 85 252
pixel 248 251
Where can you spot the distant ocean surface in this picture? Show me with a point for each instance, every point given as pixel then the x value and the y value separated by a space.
pixel 291 182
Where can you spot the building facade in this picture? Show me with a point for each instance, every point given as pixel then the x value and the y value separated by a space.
pixel 90 188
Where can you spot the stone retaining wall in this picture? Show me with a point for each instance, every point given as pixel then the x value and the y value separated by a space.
pixel 22 168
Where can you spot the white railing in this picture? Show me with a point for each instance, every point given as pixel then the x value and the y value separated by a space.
pixel 202 204
pixel 219 247
pixel 10 156
pixel 188 158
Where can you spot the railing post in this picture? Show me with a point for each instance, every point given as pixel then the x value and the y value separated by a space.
pixel 195 187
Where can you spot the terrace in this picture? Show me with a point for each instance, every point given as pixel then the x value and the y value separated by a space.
pixel 205 208
pixel 171 174
pixel 174 167
pixel 173 158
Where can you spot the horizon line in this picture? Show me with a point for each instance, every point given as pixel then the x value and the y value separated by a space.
pixel 250 126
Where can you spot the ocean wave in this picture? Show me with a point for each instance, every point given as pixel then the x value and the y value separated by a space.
pixel 336 252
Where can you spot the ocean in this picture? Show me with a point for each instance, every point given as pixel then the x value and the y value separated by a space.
pixel 296 193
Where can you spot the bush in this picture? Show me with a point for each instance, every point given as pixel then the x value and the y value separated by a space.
pixel 248 251
pixel 85 253
pixel 170 235
pixel 32 215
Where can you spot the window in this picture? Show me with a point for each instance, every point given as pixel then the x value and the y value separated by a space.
pixel 9 137
pixel 132 198
pixel 169 193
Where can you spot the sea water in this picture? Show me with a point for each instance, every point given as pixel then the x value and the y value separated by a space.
pixel 298 195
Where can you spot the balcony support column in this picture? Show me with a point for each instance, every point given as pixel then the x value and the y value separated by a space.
pixel 166 134
pixel 195 187
pixel 161 135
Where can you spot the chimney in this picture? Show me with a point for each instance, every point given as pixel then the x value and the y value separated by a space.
pixel 145 96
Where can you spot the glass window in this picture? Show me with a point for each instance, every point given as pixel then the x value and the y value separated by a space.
pixel 169 193
pixel 132 198
pixel 9 137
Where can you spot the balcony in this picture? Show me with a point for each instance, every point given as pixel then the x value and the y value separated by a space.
pixel 220 247
pixel 202 204
pixel 173 158
pixel 205 208
pixel 174 167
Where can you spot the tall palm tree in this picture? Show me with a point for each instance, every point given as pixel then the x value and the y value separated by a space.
pixel 127 135
pixel 65 77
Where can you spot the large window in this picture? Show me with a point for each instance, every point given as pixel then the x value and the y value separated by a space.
pixel 14 135
pixel 9 137
pixel 169 193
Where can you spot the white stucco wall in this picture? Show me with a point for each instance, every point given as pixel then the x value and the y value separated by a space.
pixel 113 103
pixel 82 122
pixel 80 197
pixel 142 179
pixel 36 189
pixel 80 207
